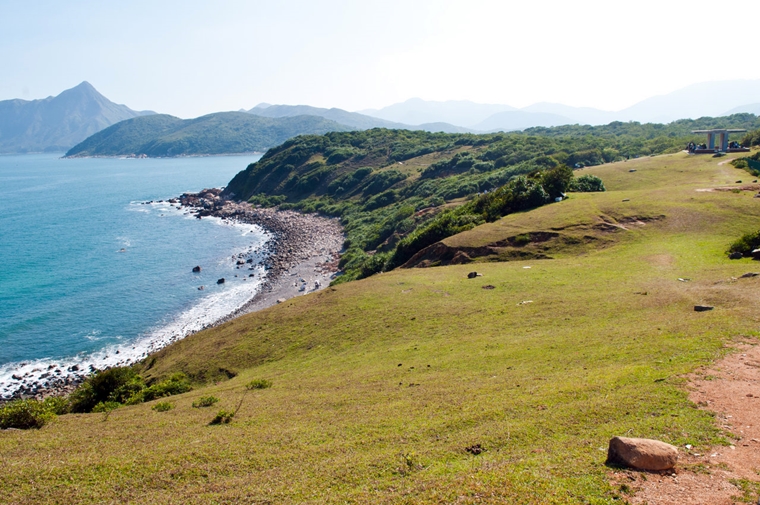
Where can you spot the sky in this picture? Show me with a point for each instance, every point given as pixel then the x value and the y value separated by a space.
pixel 191 58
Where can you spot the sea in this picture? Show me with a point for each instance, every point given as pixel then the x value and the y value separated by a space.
pixel 96 265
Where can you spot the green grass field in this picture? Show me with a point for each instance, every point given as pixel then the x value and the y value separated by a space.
pixel 380 386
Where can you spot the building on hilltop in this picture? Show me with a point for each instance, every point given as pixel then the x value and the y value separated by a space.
pixel 723 145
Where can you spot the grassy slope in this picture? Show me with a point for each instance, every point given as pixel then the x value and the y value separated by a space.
pixel 380 384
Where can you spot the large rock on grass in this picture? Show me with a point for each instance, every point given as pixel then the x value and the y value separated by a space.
pixel 642 454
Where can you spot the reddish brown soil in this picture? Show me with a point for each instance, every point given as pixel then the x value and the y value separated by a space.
pixel 731 389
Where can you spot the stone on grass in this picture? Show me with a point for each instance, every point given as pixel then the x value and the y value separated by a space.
pixel 736 255
pixel 642 454
pixel 703 308
pixel 472 275
pixel 749 274
pixel 756 254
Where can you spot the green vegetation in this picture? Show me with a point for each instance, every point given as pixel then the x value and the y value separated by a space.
pixel 746 244
pixel 119 386
pixel 26 414
pixel 162 135
pixel 162 407
pixel 205 401
pixel 222 417
pixel 259 384
pixel 384 385
pixel 394 190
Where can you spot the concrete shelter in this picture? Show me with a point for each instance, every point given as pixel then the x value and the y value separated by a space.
pixel 722 146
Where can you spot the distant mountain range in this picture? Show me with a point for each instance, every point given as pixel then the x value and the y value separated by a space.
pixel 717 98
pixel 162 135
pixel 354 120
pixel 55 124
pixel 78 116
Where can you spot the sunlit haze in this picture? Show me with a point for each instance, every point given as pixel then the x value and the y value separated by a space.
pixel 192 58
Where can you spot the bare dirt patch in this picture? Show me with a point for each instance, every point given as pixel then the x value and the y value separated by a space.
pixel 731 389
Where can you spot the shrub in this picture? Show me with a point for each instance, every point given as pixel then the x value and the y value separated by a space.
pixel 106 407
pixel 266 200
pixel 381 181
pixel 177 383
pixel 222 417
pixel 556 180
pixel 58 405
pixel 25 414
pixel 115 384
pixel 746 244
pixel 205 401
pixel 259 384
pixel 587 184
pixel 162 407
pixel 112 388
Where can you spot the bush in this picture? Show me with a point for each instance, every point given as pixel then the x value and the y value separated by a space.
pixel 106 407
pixel 26 414
pixel 587 184
pixel 267 201
pixel 115 385
pixel 205 401
pixel 746 244
pixel 557 180
pixel 222 417
pixel 162 407
pixel 259 384
pixel 176 384
pixel 118 386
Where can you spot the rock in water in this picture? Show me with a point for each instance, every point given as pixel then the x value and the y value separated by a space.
pixel 642 454
pixel 196 269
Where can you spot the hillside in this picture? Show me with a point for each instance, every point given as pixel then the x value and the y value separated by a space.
pixel 219 133
pixel 54 124
pixel 398 191
pixel 354 120
pixel 423 386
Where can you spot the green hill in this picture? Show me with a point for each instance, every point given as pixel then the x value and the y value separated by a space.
pixel 397 192
pixel 54 124
pixel 420 386
pixel 220 133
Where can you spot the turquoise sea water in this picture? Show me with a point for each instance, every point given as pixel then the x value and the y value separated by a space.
pixel 88 269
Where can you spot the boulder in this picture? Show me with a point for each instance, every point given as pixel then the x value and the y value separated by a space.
pixel 196 269
pixel 736 255
pixel 472 275
pixel 220 281
pixel 756 254
pixel 642 454
pixel 703 308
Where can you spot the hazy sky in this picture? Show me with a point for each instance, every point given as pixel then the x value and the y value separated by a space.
pixel 190 58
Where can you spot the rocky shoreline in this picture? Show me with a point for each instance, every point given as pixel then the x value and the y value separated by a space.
pixel 304 246
pixel 302 256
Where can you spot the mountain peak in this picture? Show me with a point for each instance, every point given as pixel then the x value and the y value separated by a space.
pixel 57 123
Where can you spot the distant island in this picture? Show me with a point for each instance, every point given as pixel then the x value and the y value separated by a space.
pixel 162 135
pixel 54 124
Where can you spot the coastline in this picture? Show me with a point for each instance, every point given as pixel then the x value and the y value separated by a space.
pixel 304 249
pixel 303 254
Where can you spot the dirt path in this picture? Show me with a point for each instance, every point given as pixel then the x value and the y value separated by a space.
pixel 731 389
